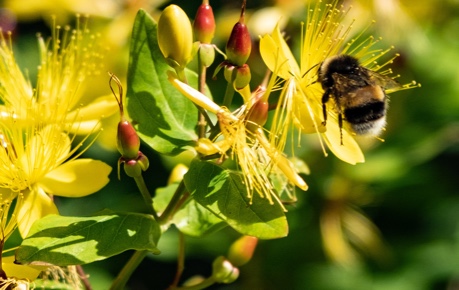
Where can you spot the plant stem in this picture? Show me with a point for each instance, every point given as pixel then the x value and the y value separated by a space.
pixel 146 195
pixel 180 261
pixel 83 277
pixel 228 99
pixel 202 124
pixel 128 269
pixel 181 75
pixel 171 207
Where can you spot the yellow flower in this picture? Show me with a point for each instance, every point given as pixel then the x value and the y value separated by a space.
pixel 37 159
pixel 300 102
pixel 255 155
pixel 38 162
pixel 67 60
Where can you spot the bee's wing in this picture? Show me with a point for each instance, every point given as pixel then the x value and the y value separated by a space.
pixel 383 81
pixel 345 84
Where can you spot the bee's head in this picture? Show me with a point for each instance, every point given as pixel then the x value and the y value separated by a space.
pixel 343 64
pixel 339 64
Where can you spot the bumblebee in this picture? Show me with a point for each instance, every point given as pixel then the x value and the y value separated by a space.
pixel 358 92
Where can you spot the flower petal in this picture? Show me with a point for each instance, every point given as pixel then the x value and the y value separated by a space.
pixel 349 151
pixel 77 178
pixel 35 205
pixel 277 55
pixel 84 128
pixel 308 113
pixel 21 271
pixel 7 195
pixel 100 108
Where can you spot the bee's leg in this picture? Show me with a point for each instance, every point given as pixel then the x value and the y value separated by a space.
pixel 340 124
pixel 325 98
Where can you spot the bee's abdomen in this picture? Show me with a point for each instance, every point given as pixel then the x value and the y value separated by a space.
pixel 368 119
pixel 365 113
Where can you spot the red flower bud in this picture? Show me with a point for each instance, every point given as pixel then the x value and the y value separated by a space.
pixel 204 23
pixel 128 141
pixel 239 44
pixel 241 251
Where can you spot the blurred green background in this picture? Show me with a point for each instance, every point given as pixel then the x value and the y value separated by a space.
pixel 408 187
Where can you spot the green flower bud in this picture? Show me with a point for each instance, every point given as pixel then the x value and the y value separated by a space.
pixel 206 54
pixel 128 142
pixel 132 168
pixel 204 23
pixel 143 161
pixel 223 271
pixel 175 36
pixel 241 251
pixel 229 72
pixel 238 76
pixel 243 77
pixel 257 115
pixel 239 44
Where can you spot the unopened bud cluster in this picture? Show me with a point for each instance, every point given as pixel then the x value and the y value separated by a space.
pixel 128 145
pixel 175 39
pixel 128 142
pixel 238 49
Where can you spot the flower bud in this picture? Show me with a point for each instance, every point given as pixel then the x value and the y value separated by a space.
pixel 241 251
pixel 175 36
pixel 206 54
pixel 128 141
pixel 177 173
pixel 204 23
pixel 239 44
pixel 143 161
pixel 243 77
pixel 238 76
pixel 229 71
pixel 132 168
pixel 223 271
pixel 257 115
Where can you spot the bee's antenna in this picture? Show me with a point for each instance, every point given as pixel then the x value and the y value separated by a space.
pixel 310 70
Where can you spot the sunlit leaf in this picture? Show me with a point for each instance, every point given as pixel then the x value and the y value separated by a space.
pixel 223 193
pixel 164 118
pixel 63 241
pixel 192 219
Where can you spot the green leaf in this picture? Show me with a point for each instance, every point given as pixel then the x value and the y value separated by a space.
pixel 63 241
pixel 164 118
pixel 192 219
pixel 222 192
